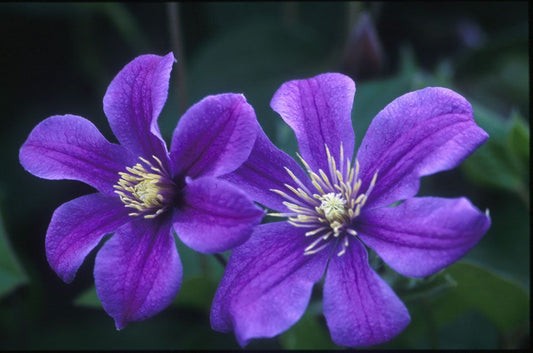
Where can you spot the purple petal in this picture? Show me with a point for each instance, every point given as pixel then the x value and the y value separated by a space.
pixel 419 133
pixel 267 283
pixel 264 170
pixel 138 271
pixel 319 111
pixel 360 308
pixel 216 216
pixel 71 147
pixel 214 137
pixel 134 100
pixel 77 227
pixel 423 235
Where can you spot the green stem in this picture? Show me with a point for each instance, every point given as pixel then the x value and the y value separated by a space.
pixel 174 26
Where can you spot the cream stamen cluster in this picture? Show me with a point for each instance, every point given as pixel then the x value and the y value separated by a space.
pixel 145 188
pixel 331 207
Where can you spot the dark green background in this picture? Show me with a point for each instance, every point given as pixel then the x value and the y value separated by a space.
pixel 59 58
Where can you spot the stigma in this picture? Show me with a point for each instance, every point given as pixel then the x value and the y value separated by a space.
pixel 146 188
pixel 330 208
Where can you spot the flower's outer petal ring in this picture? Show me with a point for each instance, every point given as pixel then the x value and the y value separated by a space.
pixel 360 308
pixel 134 100
pixel 264 170
pixel 138 271
pixel 423 235
pixel 267 283
pixel 71 147
pixel 214 137
pixel 419 133
pixel 319 111
pixel 77 227
pixel 215 215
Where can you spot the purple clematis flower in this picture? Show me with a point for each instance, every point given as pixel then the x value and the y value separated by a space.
pixel 145 191
pixel 339 206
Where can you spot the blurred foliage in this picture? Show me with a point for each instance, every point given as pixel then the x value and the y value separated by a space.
pixel 11 273
pixel 503 162
pixel 61 57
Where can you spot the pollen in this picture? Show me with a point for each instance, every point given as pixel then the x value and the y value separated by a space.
pixel 330 207
pixel 146 188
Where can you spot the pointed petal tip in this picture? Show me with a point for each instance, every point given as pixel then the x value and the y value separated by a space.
pixel 120 324
pixel 171 55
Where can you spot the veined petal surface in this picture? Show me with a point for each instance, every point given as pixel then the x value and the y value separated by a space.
pixel 71 147
pixel 318 109
pixel 267 283
pixel 214 137
pixel 138 271
pixel 360 308
pixel 423 235
pixel 419 133
pixel 215 216
pixel 264 170
pixel 77 227
pixel 134 100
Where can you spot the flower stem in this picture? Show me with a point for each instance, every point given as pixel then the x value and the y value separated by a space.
pixel 174 26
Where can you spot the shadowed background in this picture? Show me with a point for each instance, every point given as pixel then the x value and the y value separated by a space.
pixel 59 58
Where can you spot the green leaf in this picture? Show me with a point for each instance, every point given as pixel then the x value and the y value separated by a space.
pixel 410 289
pixel 307 333
pixel 88 299
pixel 11 273
pixel 503 302
pixel 501 163
pixel 519 139
pixel 197 292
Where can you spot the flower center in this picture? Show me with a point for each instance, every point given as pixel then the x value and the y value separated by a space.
pixel 146 188
pixel 331 207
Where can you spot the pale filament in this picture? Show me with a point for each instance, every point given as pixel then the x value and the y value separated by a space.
pixel 142 188
pixel 331 207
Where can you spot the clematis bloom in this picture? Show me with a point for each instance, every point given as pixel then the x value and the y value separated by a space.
pixel 337 206
pixel 145 191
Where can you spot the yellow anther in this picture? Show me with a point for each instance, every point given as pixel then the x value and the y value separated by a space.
pixel 330 208
pixel 141 189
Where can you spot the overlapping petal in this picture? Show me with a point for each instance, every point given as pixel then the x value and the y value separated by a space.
pixel 319 111
pixel 77 227
pixel 71 147
pixel 138 271
pixel 214 137
pixel 267 283
pixel 215 215
pixel 134 100
pixel 360 308
pixel 419 133
pixel 264 170
pixel 423 235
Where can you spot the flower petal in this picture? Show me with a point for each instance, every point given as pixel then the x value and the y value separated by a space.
pixel 134 100
pixel 360 308
pixel 267 283
pixel 77 227
pixel 264 170
pixel 423 235
pixel 214 137
pixel 216 216
pixel 138 271
pixel 319 111
pixel 71 147
pixel 419 133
